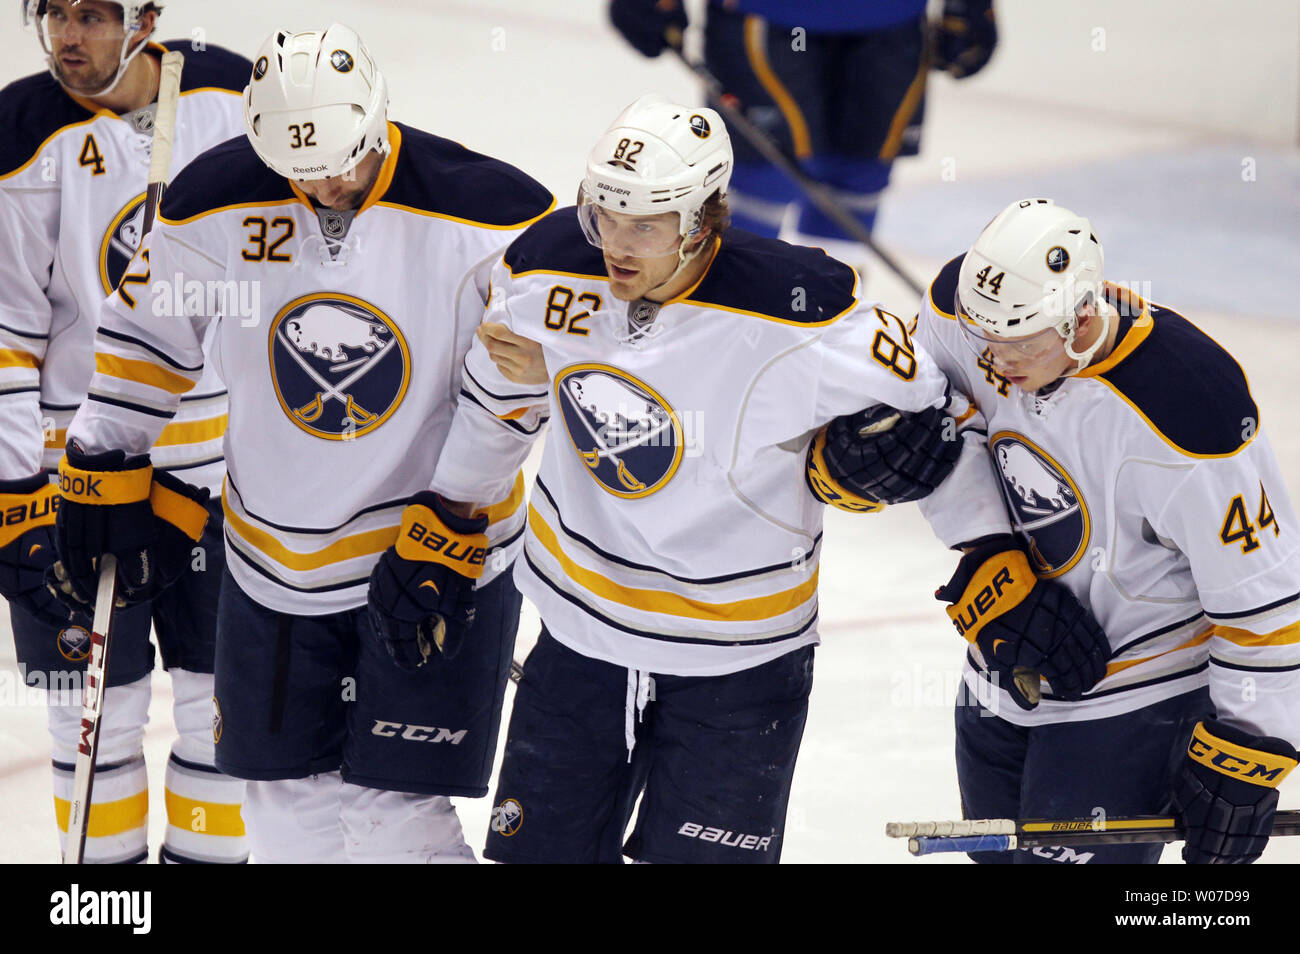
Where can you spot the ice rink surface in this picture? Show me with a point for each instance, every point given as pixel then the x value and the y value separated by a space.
pixel 1196 220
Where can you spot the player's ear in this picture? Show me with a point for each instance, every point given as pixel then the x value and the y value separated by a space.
pixel 148 20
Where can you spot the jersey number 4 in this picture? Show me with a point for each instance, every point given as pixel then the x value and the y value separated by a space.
pixel 91 156
pixel 1237 525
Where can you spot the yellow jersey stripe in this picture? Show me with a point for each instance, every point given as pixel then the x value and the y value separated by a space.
pixel 11 358
pixel 754 609
pixel 1286 636
pixel 361 544
pixel 1198 639
pixel 142 372
pixel 185 432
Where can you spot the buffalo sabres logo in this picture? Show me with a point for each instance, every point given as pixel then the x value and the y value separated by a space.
pixel 508 817
pixel 1045 504
pixel 339 365
pixel 259 68
pixel 74 644
pixel 341 60
pixel 216 720
pixel 700 126
pixel 1058 259
pixel 625 433
pixel 120 243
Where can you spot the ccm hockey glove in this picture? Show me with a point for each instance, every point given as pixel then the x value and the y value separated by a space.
pixel 27 548
pixel 1020 622
pixel 1226 793
pixel 879 456
pixel 422 589
pixel 964 37
pixel 116 504
pixel 645 23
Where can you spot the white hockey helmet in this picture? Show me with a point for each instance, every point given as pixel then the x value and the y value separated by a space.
pixel 657 157
pixel 316 103
pixel 1031 271
pixel 34 14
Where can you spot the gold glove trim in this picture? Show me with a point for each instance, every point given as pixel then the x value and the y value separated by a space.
pixel 104 488
pixel 424 537
pixel 184 513
pixel 22 512
pixel 1000 584
pixel 1238 761
pixel 824 487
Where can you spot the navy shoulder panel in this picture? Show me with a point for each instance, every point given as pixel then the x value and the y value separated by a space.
pixel 442 177
pixel 943 290
pixel 556 244
pixel 211 66
pixel 32 110
pixel 774 279
pixel 229 173
pixel 1191 390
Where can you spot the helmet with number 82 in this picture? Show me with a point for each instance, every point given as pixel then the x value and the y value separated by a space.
pixel 657 157
pixel 316 103
pixel 1028 276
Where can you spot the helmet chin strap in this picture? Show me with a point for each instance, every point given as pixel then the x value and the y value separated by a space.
pixel 684 258
pixel 124 61
pixel 1084 358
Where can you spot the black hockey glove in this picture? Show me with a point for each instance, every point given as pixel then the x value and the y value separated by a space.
pixel 149 520
pixel 1226 793
pixel 1020 622
pixel 422 589
pixel 964 37
pixel 645 23
pixel 27 548
pixel 879 456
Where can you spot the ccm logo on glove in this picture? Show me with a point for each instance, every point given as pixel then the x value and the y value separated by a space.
pixel 1249 765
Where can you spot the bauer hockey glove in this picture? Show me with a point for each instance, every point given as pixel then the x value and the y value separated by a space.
pixel 645 23
pixel 878 456
pixel 964 37
pixel 116 504
pixel 27 549
pixel 422 589
pixel 1226 793
pixel 1021 622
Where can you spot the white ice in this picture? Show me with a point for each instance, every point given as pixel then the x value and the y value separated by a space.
pixel 536 82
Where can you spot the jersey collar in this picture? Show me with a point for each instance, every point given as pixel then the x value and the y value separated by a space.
pixel 1127 304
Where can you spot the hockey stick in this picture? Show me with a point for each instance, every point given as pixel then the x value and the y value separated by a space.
pixel 92 708
pixel 92 700
pixel 1008 834
pixel 816 193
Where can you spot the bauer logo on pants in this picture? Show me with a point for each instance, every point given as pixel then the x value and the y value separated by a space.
pixel 1044 502
pixel 507 818
pixel 625 433
pixel 339 365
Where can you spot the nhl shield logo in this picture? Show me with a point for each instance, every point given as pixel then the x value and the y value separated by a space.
pixel 120 243
pixel 1058 259
pixel 626 434
pixel 1044 502
pixel 507 818
pixel 339 365
pixel 74 644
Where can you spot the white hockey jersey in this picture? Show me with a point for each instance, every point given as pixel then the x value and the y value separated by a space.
pixel 1145 485
pixel 72 186
pixel 344 371
pixel 670 529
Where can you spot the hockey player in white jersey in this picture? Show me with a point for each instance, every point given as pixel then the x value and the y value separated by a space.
pixel 362 236
pixel 672 550
pixel 1135 471
pixel 73 165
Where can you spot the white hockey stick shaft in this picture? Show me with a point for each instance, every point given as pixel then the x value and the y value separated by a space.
pixel 92 709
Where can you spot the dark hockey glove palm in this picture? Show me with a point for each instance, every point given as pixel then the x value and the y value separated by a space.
pixel 27 548
pixel 881 456
pixel 964 37
pixel 646 23
pixel 1226 793
pixel 113 504
pixel 1020 622
pixel 422 589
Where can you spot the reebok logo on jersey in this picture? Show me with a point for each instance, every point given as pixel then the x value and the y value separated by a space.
pixel 729 838
pixel 416 733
